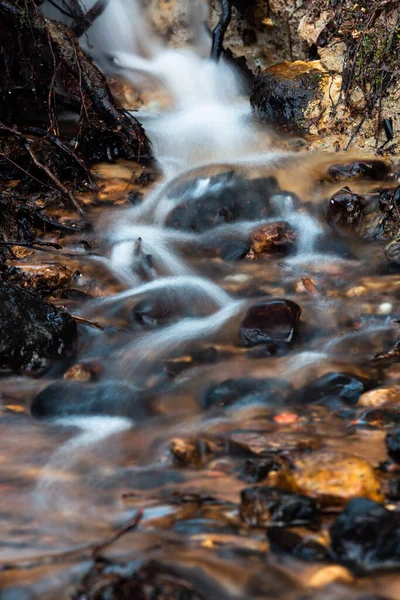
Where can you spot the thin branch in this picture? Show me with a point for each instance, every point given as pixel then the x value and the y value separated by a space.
pixel 87 322
pixel 82 24
pixel 85 552
pixel 57 183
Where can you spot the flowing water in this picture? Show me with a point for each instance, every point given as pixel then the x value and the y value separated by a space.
pixel 69 480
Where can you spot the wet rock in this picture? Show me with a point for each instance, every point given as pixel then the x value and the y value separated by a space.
pixel 84 371
pixel 292 94
pixel 371 169
pixel 233 250
pixel 263 443
pixel 284 541
pixel 344 209
pixel 379 418
pixel 45 278
pixel 157 312
pixel 328 575
pixel 342 386
pixel 273 320
pixel 393 444
pixel 245 390
pixel 366 535
pixel 256 470
pixel 273 238
pixel 380 397
pixel 33 333
pixel 265 350
pixel 224 198
pixel 393 492
pixel 68 398
pixel 196 452
pixel 75 294
pixel 332 479
pixel 261 506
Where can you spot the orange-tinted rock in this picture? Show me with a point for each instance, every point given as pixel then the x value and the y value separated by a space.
pixel 273 238
pixel 332 479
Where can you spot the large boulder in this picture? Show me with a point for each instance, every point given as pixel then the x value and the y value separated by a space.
pixel 295 95
pixel 205 202
pixel 33 333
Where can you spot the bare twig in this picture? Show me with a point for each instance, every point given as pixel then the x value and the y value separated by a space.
pixel 82 24
pixel 40 244
pixel 91 550
pixel 39 165
pixel 87 322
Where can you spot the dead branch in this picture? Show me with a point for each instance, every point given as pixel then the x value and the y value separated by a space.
pixel 220 30
pixel 88 551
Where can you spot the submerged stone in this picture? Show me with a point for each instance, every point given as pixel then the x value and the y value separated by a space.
pixel 273 320
pixel 284 541
pixel 207 202
pixel 367 536
pixel 233 250
pixel 33 333
pixel 244 390
pixel 69 398
pixel 343 386
pixel 261 506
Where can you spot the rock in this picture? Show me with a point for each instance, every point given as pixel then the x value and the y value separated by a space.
pixel 380 397
pixel 264 351
pixel 233 250
pixel 68 398
pixel 273 238
pixel 333 57
pixel 273 320
pixel 263 443
pixel 380 417
pixel 367 536
pixel 261 506
pixel 393 444
pixel 370 169
pixel 344 209
pixel 196 452
pixel 75 294
pixel 257 469
pixel 245 390
pixel 84 371
pixel 294 95
pixel 33 333
pixel 330 574
pixel 332 479
pixel 344 386
pixel 285 541
pixel 393 492
pixel 207 202
pixel 155 312
pixel 44 278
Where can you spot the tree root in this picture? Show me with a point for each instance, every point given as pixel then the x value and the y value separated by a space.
pixel 220 30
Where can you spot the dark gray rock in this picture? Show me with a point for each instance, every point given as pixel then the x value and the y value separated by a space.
pixel 33 333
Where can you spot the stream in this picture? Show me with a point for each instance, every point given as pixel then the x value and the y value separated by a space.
pixel 171 395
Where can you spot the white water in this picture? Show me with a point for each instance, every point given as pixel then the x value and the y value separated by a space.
pixel 207 122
